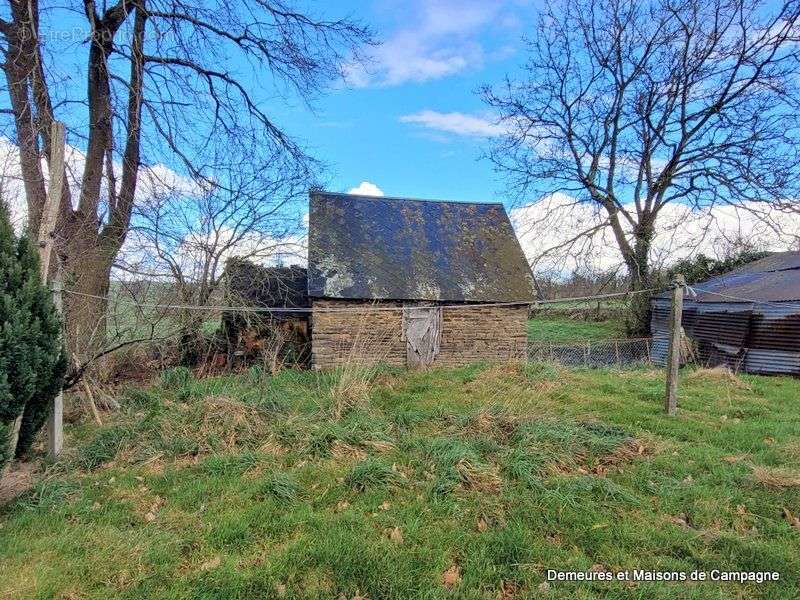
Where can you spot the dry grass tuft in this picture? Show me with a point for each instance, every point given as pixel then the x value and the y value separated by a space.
pixel 717 375
pixel 775 477
pixel 497 423
pixel 478 477
pixel 231 422
pixel 344 451
pixel 355 376
pixel 379 445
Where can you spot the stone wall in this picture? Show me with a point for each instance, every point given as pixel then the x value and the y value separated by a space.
pixel 365 336
pixel 490 333
pixel 369 336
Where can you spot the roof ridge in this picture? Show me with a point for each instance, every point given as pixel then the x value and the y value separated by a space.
pixel 401 199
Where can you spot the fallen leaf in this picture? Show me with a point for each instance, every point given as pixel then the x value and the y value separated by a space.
pixel 344 504
pixel 396 535
pixel 149 517
pixel 212 563
pixel 451 577
pixel 385 505
pixel 482 525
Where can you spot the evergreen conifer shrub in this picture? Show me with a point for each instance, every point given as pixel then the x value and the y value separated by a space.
pixel 32 357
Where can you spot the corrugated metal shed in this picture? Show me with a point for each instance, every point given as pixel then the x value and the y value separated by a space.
pixel 748 319
pixel 400 249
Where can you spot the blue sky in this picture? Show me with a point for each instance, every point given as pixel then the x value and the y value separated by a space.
pixel 413 124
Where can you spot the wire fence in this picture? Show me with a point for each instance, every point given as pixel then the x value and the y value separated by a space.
pixel 620 353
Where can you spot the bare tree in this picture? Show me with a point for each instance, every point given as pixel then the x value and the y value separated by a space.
pixel 161 80
pixel 183 238
pixel 632 105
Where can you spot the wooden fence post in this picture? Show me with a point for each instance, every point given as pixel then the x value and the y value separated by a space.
pixel 674 355
pixel 55 418
pixel 55 424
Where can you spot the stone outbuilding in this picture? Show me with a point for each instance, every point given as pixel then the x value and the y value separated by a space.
pixel 414 282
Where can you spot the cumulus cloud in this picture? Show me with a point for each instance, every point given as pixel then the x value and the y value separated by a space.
pixel 561 235
pixel 455 122
pixel 439 38
pixel 366 188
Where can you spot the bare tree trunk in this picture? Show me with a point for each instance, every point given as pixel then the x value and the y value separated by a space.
pixel 87 272
pixel 638 263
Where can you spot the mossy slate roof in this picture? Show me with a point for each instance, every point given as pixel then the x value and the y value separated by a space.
pixel 363 247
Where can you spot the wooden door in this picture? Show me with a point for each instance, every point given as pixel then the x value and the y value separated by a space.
pixel 422 328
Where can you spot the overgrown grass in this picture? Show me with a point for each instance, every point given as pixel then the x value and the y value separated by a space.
pixel 464 483
pixel 559 329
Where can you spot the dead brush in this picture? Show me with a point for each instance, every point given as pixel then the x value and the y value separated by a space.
pixel 369 347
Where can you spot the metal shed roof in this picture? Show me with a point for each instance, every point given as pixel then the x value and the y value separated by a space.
pixel 363 247
pixel 775 278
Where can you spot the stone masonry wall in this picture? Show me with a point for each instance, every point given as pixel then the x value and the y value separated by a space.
pixel 364 336
pixel 489 333
pixel 369 336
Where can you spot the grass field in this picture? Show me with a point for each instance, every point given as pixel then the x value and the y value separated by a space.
pixel 559 329
pixel 466 483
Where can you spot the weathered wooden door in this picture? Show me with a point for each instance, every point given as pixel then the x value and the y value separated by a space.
pixel 422 328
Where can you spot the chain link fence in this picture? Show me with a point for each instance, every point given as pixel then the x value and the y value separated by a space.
pixel 598 353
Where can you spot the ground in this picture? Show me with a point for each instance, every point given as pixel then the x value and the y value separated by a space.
pixel 464 483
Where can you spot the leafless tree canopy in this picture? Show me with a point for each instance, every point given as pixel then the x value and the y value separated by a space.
pixel 631 105
pixel 159 81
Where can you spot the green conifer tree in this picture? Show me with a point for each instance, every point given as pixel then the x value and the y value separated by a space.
pixel 32 357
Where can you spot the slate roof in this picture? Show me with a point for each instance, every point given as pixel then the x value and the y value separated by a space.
pixel 775 278
pixel 363 247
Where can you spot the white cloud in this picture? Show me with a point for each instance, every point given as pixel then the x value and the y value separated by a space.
pixel 441 38
pixel 455 122
pixel 550 233
pixel 366 188
pixel 152 180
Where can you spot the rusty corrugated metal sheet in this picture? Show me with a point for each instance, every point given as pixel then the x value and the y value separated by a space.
pixel 755 338
pixel 748 319
pixel 399 249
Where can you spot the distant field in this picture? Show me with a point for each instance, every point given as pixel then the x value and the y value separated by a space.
pixel 559 329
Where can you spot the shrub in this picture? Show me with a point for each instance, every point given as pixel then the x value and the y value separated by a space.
pixel 32 356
